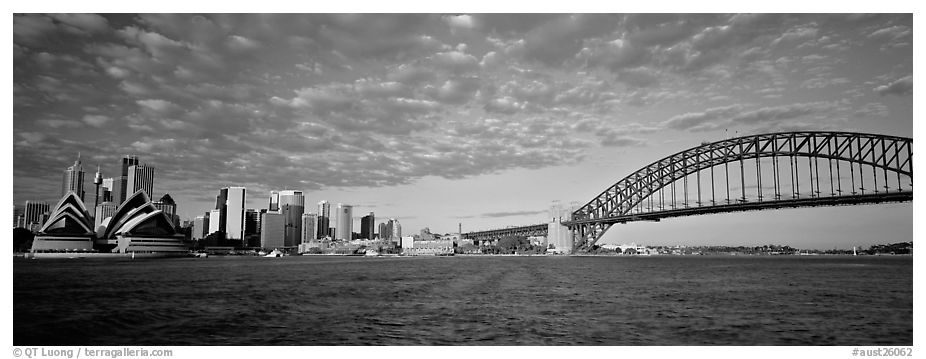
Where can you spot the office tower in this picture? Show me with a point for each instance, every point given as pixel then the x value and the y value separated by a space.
pixel 97 181
pixel 19 216
pixel 221 204
pixel 366 226
pixel 167 205
pixel 102 212
pixel 34 214
pixel 199 229
pixel 292 206
pixel 140 177
pixel 123 180
pixel 382 232
pixel 324 214
pixel 344 222
pixel 107 190
pixel 309 221
pixel 274 201
pixel 214 223
pixel 396 229
pixel 74 179
pixel 205 224
pixel 271 230
pixel 251 221
pixel 232 211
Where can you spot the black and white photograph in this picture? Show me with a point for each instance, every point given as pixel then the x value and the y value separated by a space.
pixel 290 181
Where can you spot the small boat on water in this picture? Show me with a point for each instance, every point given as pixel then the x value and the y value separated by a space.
pixel 275 253
pixel 371 253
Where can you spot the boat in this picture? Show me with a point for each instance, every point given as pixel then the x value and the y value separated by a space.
pixel 275 253
pixel 371 253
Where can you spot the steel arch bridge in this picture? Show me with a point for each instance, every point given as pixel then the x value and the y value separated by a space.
pixel 776 170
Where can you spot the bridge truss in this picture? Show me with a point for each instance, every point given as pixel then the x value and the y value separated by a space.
pixel 777 170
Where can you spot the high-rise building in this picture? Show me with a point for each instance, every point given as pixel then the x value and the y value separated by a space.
pixel 271 230
pixel 106 190
pixel 102 212
pixel 344 222
pixel 309 221
pixel 251 221
pixel 199 229
pixel 167 205
pixel 396 229
pixel 140 177
pixel 292 206
pixel 274 201
pixel 234 212
pixel 35 214
pixel 221 204
pixel 214 224
pixel 324 218
pixel 382 231
pixel 366 226
pixel 19 216
pixel 124 178
pixel 73 180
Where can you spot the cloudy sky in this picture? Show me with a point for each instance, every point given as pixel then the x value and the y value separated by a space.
pixel 485 120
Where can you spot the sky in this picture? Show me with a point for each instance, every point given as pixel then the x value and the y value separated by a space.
pixel 482 120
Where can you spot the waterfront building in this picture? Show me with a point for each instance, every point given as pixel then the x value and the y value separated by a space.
pixel 140 177
pixel 366 226
pixel 234 212
pixel 18 216
pixel 199 229
pixel 344 222
pixel 324 215
pixel 214 221
pixel 271 230
pixel 292 206
pixel 433 247
pixel 34 215
pixel 73 180
pixel 68 228
pixel 309 221
pixel 138 227
pixel 102 212
pixel 127 161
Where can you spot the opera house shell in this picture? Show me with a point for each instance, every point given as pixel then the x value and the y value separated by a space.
pixel 136 228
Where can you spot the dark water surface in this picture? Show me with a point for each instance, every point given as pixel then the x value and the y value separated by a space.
pixel 663 300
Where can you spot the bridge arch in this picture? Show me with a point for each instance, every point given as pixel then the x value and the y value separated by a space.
pixel 886 162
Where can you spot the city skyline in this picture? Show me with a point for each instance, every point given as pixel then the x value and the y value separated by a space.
pixel 436 120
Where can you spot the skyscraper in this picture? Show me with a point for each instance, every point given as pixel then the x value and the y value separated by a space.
pixel 74 180
pixel 324 215
pixel 251 220
pixel 169 207
pixel 383 233
pixel 309 221
pixel 396 229
pixel 120 192
pixel 198 228
pixel 214 216
pixel 292 206
pixel 140 177
pixel 106 190
pixel 366 226
pixel 271 230
pixel 344 222
pixel 274 201
pixel 234 212
pixel 221 205
pixel 35 214
pixel 102 212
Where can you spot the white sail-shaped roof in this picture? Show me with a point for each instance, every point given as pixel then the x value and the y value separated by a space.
pixel 69 217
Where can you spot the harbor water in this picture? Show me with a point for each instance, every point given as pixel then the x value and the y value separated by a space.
pixel 466 300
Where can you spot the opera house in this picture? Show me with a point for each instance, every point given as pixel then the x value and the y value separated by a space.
pixel 136 228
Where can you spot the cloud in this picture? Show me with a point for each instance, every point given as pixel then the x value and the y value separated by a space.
pixel 900 87
pixel 96 120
